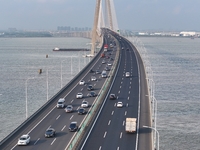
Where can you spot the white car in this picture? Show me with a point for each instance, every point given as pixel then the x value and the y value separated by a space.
pixel 79 95
pixel 93 78
pixel 82 82
pixel 119 104
pixel 84 104
pixel 69 108
pixel 127 74
pixel 109 64
pixel 24 140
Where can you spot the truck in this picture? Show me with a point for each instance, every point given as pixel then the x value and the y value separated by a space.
pixel 105 47
pixel 130 125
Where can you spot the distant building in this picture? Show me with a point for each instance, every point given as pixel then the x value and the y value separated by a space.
pixel 185 33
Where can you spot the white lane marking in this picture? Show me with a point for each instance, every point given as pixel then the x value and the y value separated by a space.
pixel 125 113
pixel 72 101
pixel 100 148
pixel 129 87
pixel 121 135
pixel 123 123
pixel 129 92
pixel 82 89
pixel 109 122
pixel 112 113
pixel 104 135
pixel 120 87
pixel 130 82
pixel 121 82
pixel 49 127
pixel 127 105
pixel 58 117
pixel 94 84
pixel 63 128
pixel 119 92
pixel 117 148
pixel 53 141
pixel 128 98
pixel 36 141
pixel 78 108
pixel 71 117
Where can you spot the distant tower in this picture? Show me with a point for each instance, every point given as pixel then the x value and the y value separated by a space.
pixel 94 31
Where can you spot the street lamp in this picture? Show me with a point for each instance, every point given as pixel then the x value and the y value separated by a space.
pixel 26 91
pixel 157 136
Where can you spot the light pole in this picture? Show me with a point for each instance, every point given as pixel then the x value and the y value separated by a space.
pixel 157 147
pixel 26 91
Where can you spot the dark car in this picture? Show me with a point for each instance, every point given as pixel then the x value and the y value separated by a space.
pixel 90 87
pixel 107 68
pixel 81 111
pixel 112 96
pixel 92 94
pixel 91 71
pixel 73 126
pixel 50 132
pixel 98 72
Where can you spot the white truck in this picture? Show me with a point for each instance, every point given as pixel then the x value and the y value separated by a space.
pixel 130 125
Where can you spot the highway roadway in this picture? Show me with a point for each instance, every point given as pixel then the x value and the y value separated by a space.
pixel 108 130
pixel 58 118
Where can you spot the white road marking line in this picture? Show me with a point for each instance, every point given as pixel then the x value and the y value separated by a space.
pixel 125 113
pixel 63 128
pixel 121 135
pixel 72 101
pixel 36 141
pixel 58 117
pixel 123 123
pixel 53 141
pixel 100 148
pixel 119 92
pixel 127 105
pixel 104 134
pixel 109 122
pixel 71 117
pixel 112 113
pixel 128 98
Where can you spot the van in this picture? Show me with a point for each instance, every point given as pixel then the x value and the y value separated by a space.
pixel 61 103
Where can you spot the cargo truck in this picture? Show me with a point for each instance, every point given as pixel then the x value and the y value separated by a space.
pixel 130 125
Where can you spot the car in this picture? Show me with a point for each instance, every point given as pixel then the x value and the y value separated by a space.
pixel 90 87
pixel 82 111
pixel 112 96
pixel 93 78
pixel 79 95
pixel 92 94
pixel 103 62
pixel 61 103
pixel 109 64
pixel 82 82
pixel 107 68
pixel 50 132
pixel 127 74
pixel 119 104
pixel 69 108
pixel 91 71
pixel 85 104
pixel 73 126
pixel 97 72
pixel 24 140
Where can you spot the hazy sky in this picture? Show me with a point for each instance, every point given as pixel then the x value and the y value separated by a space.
pixel 131 14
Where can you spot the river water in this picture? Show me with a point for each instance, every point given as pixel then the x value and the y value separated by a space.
pixel 175 63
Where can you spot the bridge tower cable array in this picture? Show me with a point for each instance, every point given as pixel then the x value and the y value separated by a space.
pixel 99 22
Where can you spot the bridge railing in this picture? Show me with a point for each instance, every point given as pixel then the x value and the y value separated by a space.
pixel 48 103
